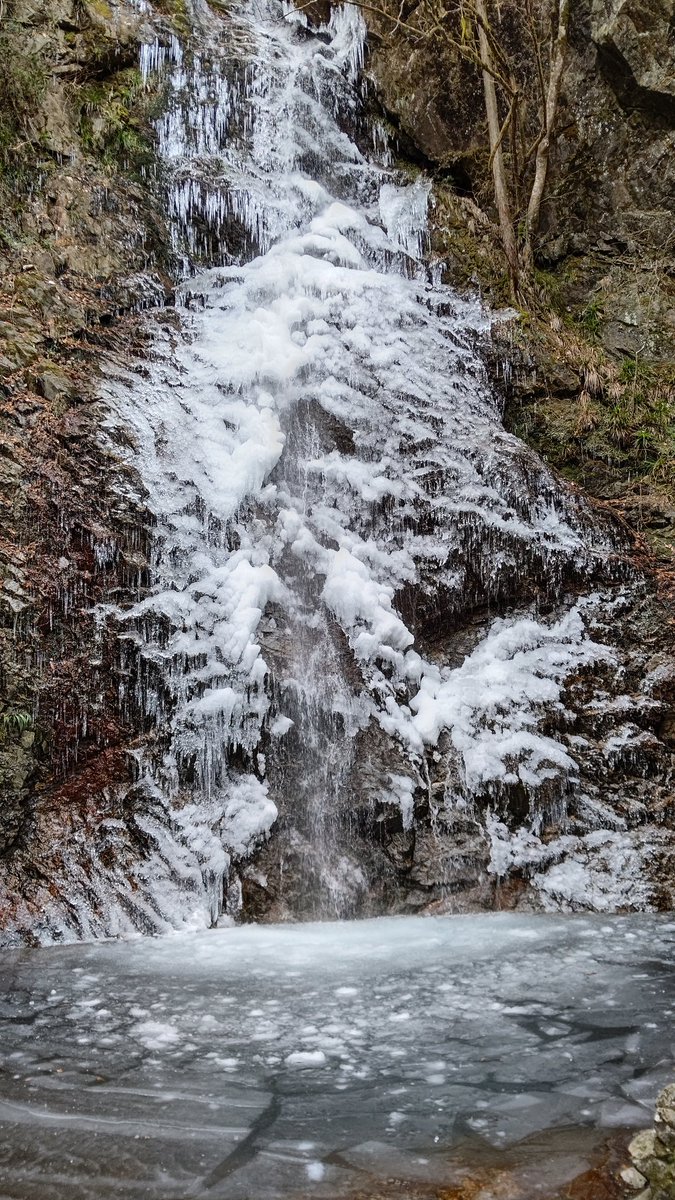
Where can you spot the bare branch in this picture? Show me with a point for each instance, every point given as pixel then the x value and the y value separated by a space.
pixel 426 34
pixel 558 56
pixel 537 56
pixel 498 173
pixel 504 129
pixel 466 28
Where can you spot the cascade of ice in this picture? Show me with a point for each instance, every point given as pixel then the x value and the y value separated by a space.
pixel 330 479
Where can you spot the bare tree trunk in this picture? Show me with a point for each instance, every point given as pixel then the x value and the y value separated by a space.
pixel 494 132
pixel 558 54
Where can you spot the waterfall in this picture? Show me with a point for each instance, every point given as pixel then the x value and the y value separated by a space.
pixel 367 598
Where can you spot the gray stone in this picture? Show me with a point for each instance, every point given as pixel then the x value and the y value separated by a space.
pixel 665 1106
pixel 54 385
pixel 641 1149
pixel 637 34
pixel 632 1177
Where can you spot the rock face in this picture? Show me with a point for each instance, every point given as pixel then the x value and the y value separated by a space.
pixel 611 186
pixel 620 207
pixel 637 39
pixel 604 255
pixel 147 739
pixel 81 243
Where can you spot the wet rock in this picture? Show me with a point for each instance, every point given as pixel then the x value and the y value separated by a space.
pixel 635 39
pixel 632 1178
pixel 77 233
pixel 54 385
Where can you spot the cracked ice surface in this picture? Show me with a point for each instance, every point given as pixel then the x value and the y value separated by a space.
pixel 283 1061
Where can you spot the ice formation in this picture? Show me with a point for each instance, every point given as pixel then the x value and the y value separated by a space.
pixel 322 456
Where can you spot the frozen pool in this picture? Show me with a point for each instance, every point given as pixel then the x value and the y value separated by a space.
pixel 310 1060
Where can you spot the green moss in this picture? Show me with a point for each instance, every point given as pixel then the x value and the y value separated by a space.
pixel 590 317
pixel 473 256
pixel 101 8
pixel 115 121
pixel 551 289
pixel 644 419
pixel 23 88
pixel 178 13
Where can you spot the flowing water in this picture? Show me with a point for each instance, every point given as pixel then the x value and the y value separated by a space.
pixel 321 1060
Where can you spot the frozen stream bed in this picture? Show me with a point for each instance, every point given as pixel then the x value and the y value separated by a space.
pixel 315 1060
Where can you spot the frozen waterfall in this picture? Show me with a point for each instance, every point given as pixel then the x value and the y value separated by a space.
pixel 357 622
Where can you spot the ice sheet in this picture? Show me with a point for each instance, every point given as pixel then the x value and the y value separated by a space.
pixel 274 1061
